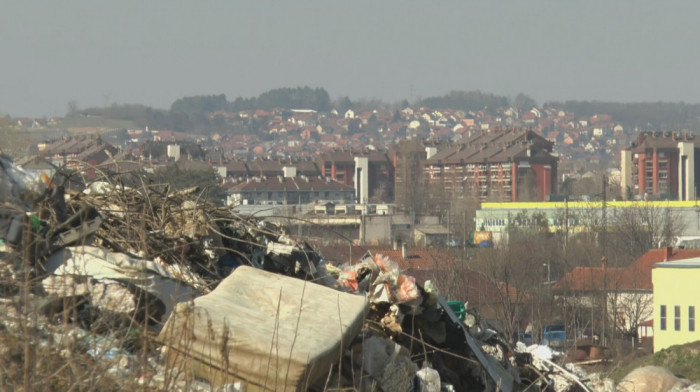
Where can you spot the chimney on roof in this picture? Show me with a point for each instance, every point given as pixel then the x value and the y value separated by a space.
pixel 430 152
pixel 289 171
pixel 404 251
pixel 668 252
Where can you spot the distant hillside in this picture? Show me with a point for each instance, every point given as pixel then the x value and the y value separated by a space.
pixel 660 116
pixel 93 124
pixel 214 113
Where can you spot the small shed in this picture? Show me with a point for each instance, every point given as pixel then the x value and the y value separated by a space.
pixel 431 235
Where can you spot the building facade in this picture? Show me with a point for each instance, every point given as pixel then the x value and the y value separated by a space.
pixel 660 165
pixel 575 216
pixel 370 173
pixel 515 165
pixel 288 191
pixel 676 300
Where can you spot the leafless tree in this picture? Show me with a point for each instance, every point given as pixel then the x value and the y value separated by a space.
pixel 644 227
pixel 519 267
pixel 410 189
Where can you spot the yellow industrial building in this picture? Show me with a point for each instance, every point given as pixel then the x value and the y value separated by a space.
pixel 676 298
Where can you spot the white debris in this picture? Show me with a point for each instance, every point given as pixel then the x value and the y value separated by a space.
pixel 651 379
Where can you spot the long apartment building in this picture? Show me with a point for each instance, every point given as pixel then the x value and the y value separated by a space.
pixel 577 216
pixel 660 165
pixel 513 165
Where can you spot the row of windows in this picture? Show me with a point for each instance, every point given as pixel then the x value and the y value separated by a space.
pixel 296 195
pixel 529 222
pixel 494 222
pixel 677 318
pixel 662 174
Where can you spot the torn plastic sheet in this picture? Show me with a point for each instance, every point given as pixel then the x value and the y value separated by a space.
pixel 99 264
pixel 498 374
pixel 14 181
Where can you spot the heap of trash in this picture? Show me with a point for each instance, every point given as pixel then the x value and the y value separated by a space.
pixel 159 289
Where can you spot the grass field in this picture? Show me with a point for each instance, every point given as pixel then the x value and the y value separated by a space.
pixel 683 361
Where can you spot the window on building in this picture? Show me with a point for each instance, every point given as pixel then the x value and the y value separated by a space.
pixel 662 317
pixel 691 318
pixel 676 318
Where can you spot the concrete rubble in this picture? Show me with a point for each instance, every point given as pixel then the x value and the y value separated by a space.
pixel 160 289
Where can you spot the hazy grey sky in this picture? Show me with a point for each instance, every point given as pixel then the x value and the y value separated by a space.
pixel 153 52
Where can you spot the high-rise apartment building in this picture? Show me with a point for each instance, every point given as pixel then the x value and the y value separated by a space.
pixel 660 166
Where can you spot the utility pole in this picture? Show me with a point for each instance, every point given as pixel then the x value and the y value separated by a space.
pixel 566 229
pixel 603 260
pixel 605 301
pixel 464 237
pixel 604 217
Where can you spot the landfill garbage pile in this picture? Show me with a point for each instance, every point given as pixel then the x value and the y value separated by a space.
pixel 122 284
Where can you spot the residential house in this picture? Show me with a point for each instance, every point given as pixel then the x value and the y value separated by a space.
pixel 629 291
pixel 36 166
pixel 581 292
pixel 293 190
pixel 79 153
pixel 676 300
pixel 431 235
pixel 567 140
pixel 529 118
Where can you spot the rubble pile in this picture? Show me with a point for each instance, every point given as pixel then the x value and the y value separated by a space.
pixel 149 287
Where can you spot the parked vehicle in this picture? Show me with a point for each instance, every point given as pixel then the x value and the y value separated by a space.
pixel 526 338
pixel 554 335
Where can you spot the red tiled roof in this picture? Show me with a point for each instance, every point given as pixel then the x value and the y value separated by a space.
pixel 636 276
pixel 589 279
pixel 290 184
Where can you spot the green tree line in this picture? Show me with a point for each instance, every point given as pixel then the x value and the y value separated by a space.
pixel 194 113
pixel 467 101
